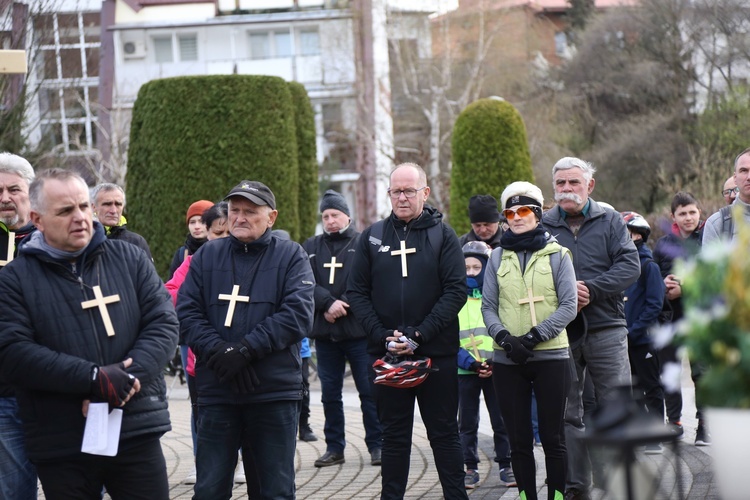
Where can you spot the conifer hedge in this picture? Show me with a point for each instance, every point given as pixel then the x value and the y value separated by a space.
pixel 195 138
pixel 490 150
pixel 307 160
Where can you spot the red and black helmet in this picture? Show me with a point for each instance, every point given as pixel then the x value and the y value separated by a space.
pixel 403 372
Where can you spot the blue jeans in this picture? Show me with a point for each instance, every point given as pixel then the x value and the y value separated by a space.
pixel 470 387
pixel 332 357
pixel 267 433
pixel 17 474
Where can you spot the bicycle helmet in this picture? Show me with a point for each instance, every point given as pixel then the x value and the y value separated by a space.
pixel 637 223
pixel 402 372
pixel 476 249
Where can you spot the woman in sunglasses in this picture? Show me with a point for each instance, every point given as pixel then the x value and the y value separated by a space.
pixel 529 296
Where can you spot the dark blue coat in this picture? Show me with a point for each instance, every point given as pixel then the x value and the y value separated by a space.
pixel 49 344
pixel 644 299
pixel 276 274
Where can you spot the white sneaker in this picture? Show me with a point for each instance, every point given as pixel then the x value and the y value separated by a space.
pixel 190 479
pixel 239 473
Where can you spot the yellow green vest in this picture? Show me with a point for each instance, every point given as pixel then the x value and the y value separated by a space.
pixel 470 322
pixel 514 286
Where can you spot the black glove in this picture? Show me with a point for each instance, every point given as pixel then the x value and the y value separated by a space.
pixel 476 366
pixel 413 337
pixel 515 350
pixel 531 339
pixel 246 381
pixel 230 360
pixel 111 383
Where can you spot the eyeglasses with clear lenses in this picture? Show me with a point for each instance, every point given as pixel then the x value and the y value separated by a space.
pixel 521 211
pixel 727 192
pixel 409 193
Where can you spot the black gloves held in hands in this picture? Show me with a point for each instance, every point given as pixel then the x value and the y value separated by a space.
pixel 229 360
pixel 531 339
pixel 111 383
pixel 476 366
pixel 514 347
pixel 245 382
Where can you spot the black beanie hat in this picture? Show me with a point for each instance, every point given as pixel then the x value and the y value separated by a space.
pixel 332 199
pixel 483 208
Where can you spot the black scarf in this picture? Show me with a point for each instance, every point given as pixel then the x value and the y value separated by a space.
pixel 193 244
pixel 533 240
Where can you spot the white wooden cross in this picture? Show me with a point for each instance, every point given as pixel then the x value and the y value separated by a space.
pixel 530 301
pixel 11 247
pixel 402 253
pixel 13 62
pixel 233 299
pixel 101 302
pixel 474 345
pixel 333 265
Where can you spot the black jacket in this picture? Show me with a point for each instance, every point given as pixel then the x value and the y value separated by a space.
pixel 670 247
pixel 276 275
pixel 6 390
pixel 493 242
pixel 428 299
pixel 49 344
pixel 189 248
pixel 320 249
pixel 124 234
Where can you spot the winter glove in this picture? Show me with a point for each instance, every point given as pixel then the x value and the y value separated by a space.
pixel 476 366
pixel 411 337
pixel 515 350
pixel 229 360
pixel 246 381
pixel 531 339
pixel 111 383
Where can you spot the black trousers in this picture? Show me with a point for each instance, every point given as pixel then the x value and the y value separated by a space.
pixel 550 381
pixel 644 364
pixel 138 471
pixel 438 406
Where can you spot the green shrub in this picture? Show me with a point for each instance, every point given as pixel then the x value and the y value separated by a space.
pixel 306 159
pixel 195 138
pixel 490 151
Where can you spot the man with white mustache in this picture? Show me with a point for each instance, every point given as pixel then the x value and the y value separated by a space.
pixel 17 474
pixel 606 262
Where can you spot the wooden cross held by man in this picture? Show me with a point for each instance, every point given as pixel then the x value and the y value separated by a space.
pixel 474 346
pixel 11 248
pixel 402 253
pixel 233 299
pixel 530 301
pixel 101 302
pixel 333 265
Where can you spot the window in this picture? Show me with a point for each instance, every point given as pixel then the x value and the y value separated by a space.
pixel 332 120
pixel 163 49
pixel 260 46
pixel 188 47
pixel 283 44
pixel 309 42
pixel 561 43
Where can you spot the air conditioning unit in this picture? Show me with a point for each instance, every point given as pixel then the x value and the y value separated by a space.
pixel 134 49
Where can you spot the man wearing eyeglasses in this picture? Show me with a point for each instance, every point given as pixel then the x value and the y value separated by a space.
pixel 606 262
pixel 721 224
pixel 406 287
pixel 730 190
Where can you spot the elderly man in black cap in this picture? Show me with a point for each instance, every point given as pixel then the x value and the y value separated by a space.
pixel 246 303
pixel 338 336
pixel 485 221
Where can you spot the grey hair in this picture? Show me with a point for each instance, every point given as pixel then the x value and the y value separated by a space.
pixel 14 164
pixel 106 187
pixel 35 190
pixel 420 171
pixel 571 162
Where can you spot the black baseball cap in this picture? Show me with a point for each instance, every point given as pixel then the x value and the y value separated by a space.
pixel 255 191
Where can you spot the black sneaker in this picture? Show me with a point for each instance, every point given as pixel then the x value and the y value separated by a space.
pixel 702 436
pixel 306 434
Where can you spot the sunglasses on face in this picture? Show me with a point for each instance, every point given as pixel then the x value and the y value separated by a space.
pixel 522 211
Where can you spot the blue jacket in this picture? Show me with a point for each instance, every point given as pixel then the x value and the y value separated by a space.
pixel 276 275
pixel 644 298
pixel 49 344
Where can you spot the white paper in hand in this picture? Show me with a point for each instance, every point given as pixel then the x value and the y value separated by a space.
pixel 102 433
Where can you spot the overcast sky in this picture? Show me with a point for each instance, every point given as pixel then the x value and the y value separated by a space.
pixel 432 5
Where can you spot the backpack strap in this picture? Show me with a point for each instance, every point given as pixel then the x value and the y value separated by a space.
pixel 727 224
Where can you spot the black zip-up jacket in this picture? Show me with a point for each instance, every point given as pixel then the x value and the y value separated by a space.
pixel 6 390
pixel 428 299
pixel 49 344
pixel 320 249
pixel 125 234
pixel 276 275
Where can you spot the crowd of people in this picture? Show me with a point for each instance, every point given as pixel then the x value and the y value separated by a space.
pixel 546 313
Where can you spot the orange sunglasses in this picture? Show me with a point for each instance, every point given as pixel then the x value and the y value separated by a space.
pixel 521 211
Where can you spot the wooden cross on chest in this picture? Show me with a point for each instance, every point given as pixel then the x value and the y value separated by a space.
pixel 333 265
pixel 233 298
pixel 13 62
pixel 402 253
pixel 11 247
pixel 474 344
pixel 101 302
pixel 530 301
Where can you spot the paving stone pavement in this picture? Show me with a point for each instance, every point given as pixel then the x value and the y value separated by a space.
pixel 357 479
